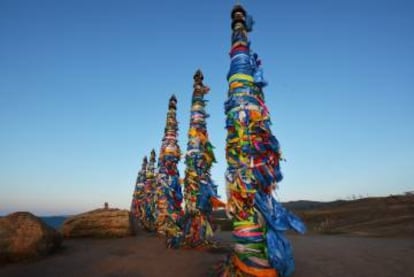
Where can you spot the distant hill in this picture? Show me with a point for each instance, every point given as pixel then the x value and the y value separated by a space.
pixel 221 214
pixel 54 221
pixel 373 216
pixel 302 205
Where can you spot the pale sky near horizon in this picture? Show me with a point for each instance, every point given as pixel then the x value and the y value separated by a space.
pixel 84 88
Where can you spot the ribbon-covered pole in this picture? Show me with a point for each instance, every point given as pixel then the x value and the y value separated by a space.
pixel 149 209
pixel 169 188
pixel 137 197
pixel 253 155
pixel 199 189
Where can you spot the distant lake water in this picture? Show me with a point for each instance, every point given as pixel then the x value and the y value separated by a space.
pixel 54 221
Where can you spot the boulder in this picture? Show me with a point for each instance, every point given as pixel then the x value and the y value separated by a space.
pixel 100 223
pixel 24 236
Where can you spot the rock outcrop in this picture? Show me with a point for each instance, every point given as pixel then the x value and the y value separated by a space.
pixel 100 223
pixel 24 236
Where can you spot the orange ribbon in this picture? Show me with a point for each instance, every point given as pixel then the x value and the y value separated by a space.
pixel 259 272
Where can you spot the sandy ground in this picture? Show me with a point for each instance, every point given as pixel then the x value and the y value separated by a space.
pixel 146 255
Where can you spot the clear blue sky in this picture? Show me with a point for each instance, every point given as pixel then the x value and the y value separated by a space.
pixel 84 87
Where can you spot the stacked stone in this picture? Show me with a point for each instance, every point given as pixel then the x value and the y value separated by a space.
pixel 199 189
pixel 253 171
pixel 169 188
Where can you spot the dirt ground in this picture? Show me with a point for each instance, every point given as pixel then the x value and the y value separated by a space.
pixel 340 256
pixel 146 255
